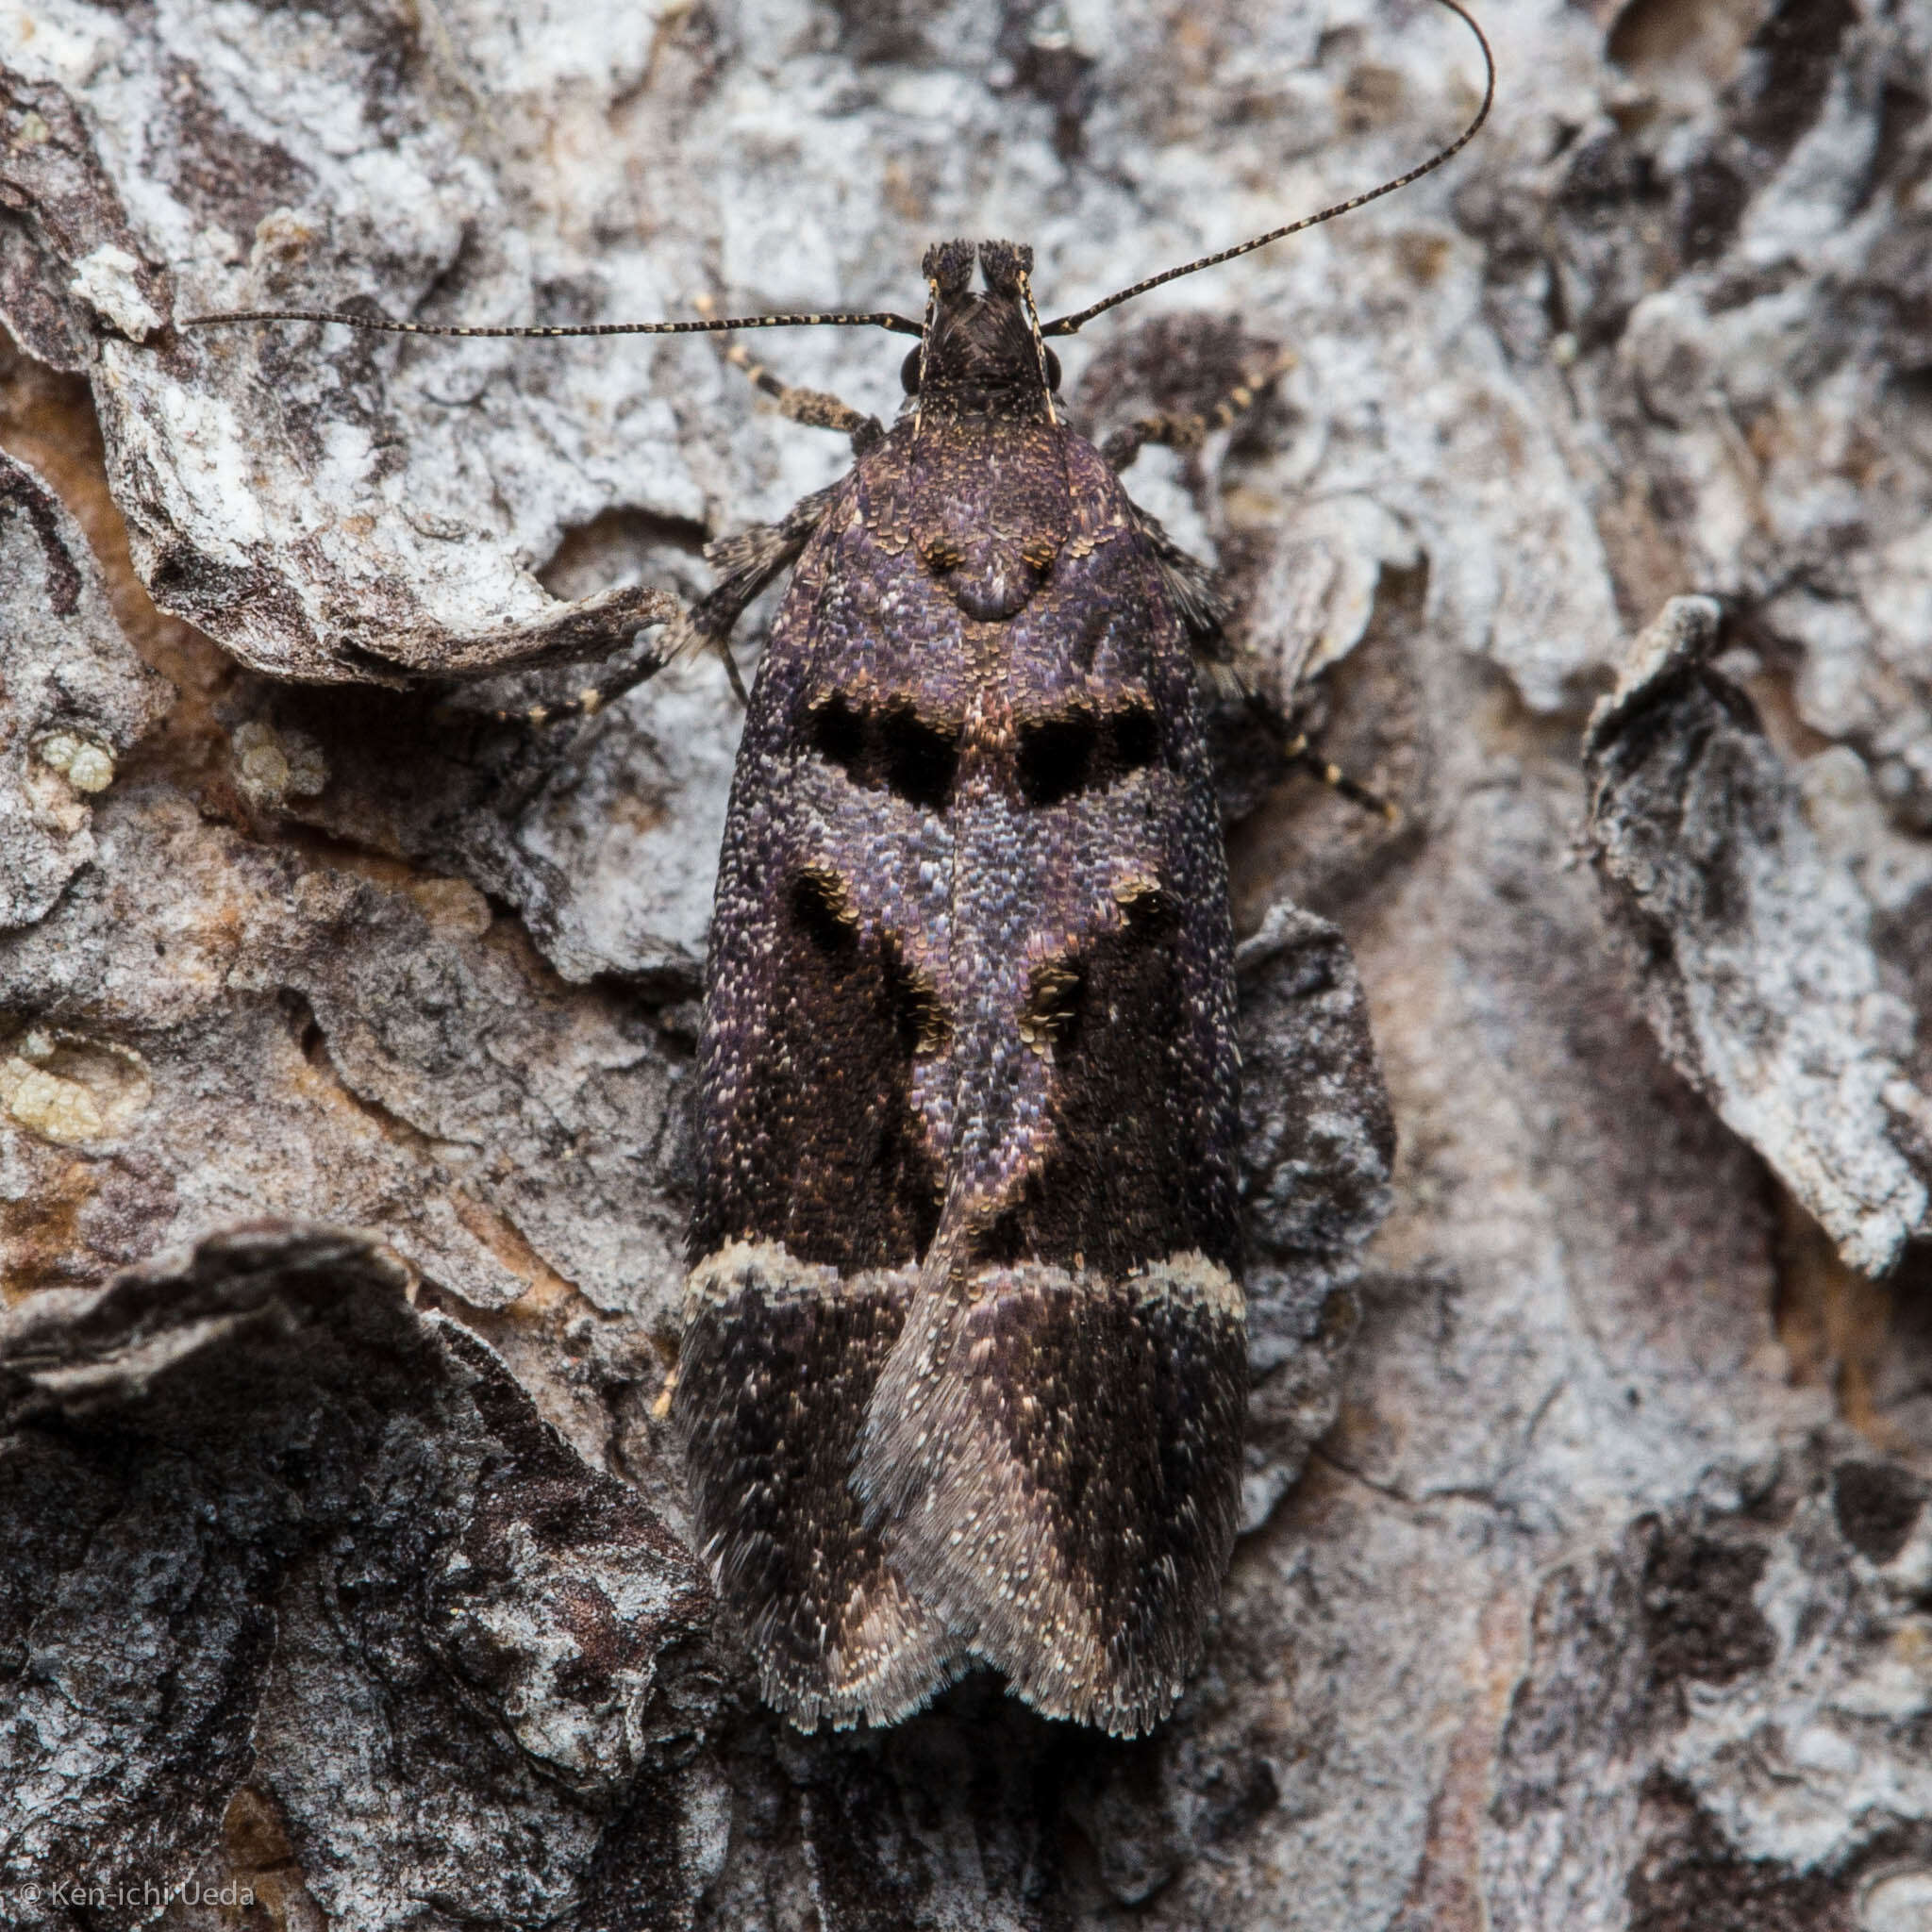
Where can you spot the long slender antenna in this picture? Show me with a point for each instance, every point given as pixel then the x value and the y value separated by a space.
pixel 899 325
pixel 1069 324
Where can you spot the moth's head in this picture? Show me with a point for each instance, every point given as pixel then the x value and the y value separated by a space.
pixel 980 352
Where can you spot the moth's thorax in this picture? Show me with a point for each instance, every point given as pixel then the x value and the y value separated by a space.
pixel 988 579
pixel 984 506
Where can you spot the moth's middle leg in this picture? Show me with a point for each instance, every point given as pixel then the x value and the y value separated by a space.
pixel 1197 592
pixel 746 564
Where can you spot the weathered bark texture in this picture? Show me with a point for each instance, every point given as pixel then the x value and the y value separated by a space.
pixel 1586 1572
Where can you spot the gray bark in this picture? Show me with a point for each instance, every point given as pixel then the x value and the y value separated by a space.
pixel 1585 1573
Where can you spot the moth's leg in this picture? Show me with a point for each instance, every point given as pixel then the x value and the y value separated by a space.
pixel 1196 588
pixel 685 632
pixel 814 407
pixel 1203 607
pixel 1190 429
pixel 1197 593
pixel 608 685
pixel 1279 722
pixel 746 564
pixel 1303 757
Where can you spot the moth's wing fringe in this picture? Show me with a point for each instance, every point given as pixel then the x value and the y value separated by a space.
pixel 904 1685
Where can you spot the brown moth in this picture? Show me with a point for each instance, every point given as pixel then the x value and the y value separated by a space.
pixel 965 1364
pixel 966 1360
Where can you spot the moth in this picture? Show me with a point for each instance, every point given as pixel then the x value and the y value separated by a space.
pixel 964 1368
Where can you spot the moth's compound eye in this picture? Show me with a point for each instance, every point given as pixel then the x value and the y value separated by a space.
pixel 908 372
pixel 1053 372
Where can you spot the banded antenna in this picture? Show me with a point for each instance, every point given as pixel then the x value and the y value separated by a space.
pixel 1071 324
pixel 382 325
pixel 898 325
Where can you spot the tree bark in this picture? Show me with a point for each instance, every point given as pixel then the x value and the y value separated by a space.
pixel 346 1031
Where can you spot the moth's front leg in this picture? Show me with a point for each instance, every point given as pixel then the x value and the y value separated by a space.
pixel 1187 429
pixel 814 407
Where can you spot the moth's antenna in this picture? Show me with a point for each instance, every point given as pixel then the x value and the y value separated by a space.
pixel 899 325
pixel 1069 324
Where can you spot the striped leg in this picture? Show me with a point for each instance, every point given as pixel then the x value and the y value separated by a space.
pixel 1302 756
pixel 745 563
pixel 814 407
pixel 1188 431
pixel 1196 589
